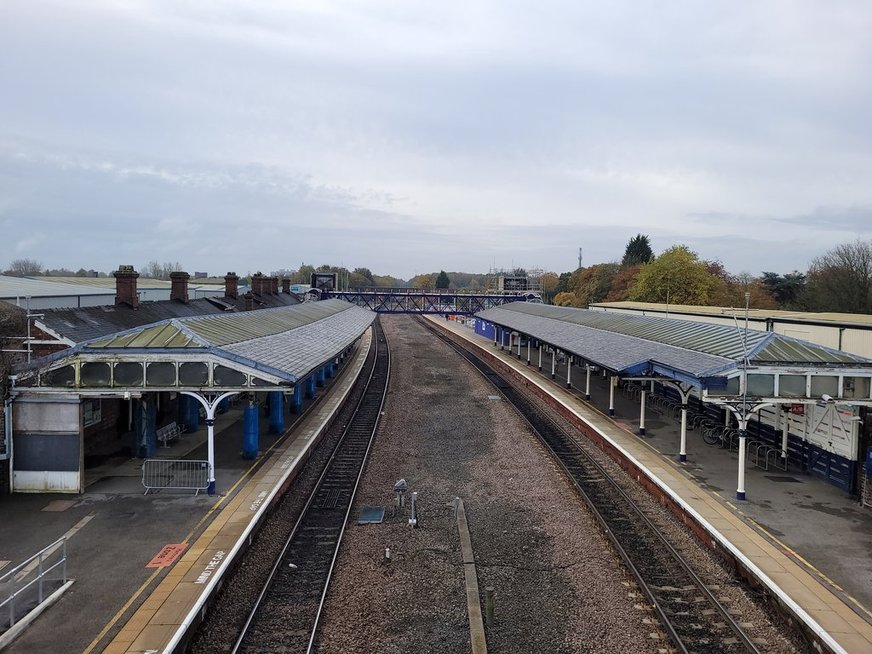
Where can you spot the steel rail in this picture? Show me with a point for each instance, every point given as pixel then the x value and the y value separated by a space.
pixel 380 372
pixel 586 474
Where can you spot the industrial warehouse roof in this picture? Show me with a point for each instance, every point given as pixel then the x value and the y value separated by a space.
pixel 852 319
pixel 22 287
pixel 108 283
pixel 633 344
pixel 285 344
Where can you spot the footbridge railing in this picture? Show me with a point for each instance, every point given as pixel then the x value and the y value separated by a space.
pixel 429 302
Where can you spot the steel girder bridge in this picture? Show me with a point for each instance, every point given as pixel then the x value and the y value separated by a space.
pixel 423 302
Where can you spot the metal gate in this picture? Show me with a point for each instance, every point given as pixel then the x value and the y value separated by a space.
pixel 176 474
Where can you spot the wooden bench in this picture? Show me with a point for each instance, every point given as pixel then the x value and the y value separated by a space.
pixel 169 433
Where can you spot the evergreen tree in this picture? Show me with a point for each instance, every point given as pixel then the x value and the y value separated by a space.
pixel 442 280
pixel 638 251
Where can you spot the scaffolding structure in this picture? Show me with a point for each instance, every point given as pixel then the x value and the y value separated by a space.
pixel 516 280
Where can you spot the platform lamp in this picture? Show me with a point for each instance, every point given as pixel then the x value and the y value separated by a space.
pixel 744 411
pixel 742 416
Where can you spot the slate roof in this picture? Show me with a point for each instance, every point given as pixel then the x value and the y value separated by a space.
pixel 621 342
pixel 618 352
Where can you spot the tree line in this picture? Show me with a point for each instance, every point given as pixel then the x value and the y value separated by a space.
pixel 839 280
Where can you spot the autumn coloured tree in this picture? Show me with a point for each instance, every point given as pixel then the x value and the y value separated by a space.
pixel 676 276
pixel 841 279
pixel 621 283
pixel 592 284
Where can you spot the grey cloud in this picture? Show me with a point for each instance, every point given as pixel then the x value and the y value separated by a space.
pixel 400 136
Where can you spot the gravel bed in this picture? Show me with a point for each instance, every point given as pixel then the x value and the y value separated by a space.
pixel 767 629
pixel 228 613
pixel 559 585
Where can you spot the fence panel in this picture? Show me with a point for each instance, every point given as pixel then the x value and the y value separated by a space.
pixel 175 474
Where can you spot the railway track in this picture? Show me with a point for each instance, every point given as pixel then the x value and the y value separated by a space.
pixel 689 612
pixel 286 615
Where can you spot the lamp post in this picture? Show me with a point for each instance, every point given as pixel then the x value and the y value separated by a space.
pixel 743 417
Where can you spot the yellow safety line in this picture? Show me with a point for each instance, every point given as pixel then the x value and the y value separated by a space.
pixel 811 567
pixel 121 612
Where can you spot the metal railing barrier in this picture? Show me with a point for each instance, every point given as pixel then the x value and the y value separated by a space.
pixel 175 474
pixel 29 584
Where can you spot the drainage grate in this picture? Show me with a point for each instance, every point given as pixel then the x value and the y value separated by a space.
pixel 792 480
pixel 371 515
pixel 331 499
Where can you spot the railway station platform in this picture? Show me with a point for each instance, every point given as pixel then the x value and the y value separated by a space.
pixel 144 564
pixel 803 539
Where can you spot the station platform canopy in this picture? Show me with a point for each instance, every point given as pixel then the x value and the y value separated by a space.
pixel 212 353
pixel 711 357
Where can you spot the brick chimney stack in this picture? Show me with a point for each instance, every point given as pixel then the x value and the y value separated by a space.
pixel 274 285
pixel 231 285
pixel 179 290
pixel 286 285
pixel 248 302
pixel 125 286
pixel 257 283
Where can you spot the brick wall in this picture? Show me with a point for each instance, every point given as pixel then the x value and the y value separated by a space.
pixel 41 350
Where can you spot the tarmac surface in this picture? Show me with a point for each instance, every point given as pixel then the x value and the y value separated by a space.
pixel 114 530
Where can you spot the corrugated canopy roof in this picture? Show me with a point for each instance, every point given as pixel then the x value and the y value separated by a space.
pixel 286 342
pixel 622 342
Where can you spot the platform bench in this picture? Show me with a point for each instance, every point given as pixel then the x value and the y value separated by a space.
pixel 169 433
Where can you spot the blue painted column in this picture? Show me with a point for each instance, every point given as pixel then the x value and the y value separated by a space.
pixel 189 412
pixel 322 377
pixel 145 429
pixel 276 412
pixel 310 386
pixel 250 429
pixel 331 370
pixel 297 402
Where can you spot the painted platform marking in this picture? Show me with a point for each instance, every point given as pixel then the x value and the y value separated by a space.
pixel 59 505
pixel 210 567
pixel 167 555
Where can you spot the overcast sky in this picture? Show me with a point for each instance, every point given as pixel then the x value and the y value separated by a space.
pixel 409 137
